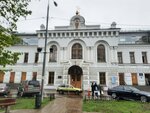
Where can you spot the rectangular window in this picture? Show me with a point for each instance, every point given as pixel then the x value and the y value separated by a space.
pixel 63 34
pixel 34 76
pixel 72 34
pixel 81 33
pixel 51 78
pixel 85 34
pixel 95 33
pixel 49 34
pixel 26 57
pixel 36 57
pixel 76 33
pixel 114 33
pixel 59 77
pixel 104 33
pixel 58 34
pixel 54 34
pixel 90 33
pixel 102 78
pixel 120 61
pixel 144 57
pixel 109 33
pixel 100 33
pixel 67 34
pixel 132 58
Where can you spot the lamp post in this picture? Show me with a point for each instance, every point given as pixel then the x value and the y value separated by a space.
pixel 44 56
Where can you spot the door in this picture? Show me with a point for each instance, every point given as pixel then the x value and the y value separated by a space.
pixel 121 79
pixel 134 79
pixel 12 77
pixel 75 73
pixel 1 76
pixel 23 76
pixel 147 79
pixel 75 81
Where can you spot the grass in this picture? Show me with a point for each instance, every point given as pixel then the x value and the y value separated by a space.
pixel 27 103
pixel 113 106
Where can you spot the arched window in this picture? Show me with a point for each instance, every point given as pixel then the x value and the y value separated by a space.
pixel 77 51
pixel 53 53
pixel 101 53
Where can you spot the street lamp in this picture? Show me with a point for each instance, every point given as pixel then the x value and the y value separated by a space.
pixel 44 56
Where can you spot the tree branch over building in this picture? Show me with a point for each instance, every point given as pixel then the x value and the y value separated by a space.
pixel 10 12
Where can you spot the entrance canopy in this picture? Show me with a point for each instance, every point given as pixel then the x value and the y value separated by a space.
pixel 75 70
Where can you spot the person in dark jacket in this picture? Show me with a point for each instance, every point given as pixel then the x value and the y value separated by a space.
pixel 96 90
pixel 92 89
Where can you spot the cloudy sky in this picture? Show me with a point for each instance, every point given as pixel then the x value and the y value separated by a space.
pixel 128 14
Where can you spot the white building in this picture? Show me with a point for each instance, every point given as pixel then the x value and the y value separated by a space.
pixel 79 54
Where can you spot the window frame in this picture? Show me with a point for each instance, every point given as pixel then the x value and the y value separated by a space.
pixel 144 58
pixel 101 53
pixel 132 57
pixel 102 78
pixel 26 57
pixel 77 51
pixel 51 78
pixel 53 54
pixel 120 58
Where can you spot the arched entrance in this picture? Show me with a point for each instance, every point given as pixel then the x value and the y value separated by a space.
pixel 75 73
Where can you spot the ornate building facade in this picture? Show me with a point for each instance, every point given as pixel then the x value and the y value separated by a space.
pixel 79 54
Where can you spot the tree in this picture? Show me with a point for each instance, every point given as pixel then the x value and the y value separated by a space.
pixel 10 12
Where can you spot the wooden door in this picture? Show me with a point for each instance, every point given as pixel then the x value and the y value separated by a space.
pixel 134 79
pixel 121 79
pixel 23 76
pixel 75 81
pixel 12 77
pixel 1 76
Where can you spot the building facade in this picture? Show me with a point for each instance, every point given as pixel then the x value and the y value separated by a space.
pixel 79 54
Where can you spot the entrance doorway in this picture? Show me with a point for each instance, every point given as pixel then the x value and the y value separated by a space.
pixel 75 73
pixel 147 79
pixel 1 76
pixel 121 79
pixel 134 79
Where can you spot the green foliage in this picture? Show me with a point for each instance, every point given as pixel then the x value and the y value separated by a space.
pixel 116 106
pixel 10 12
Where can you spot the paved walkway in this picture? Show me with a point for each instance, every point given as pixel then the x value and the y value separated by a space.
pixel 62 104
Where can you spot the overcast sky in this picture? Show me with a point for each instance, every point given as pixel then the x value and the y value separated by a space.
pixel 129 14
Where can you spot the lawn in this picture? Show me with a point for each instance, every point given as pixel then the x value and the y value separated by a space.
pixel 113 106
pixel 27 103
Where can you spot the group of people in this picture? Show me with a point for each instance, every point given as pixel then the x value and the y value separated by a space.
pixel 96 90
